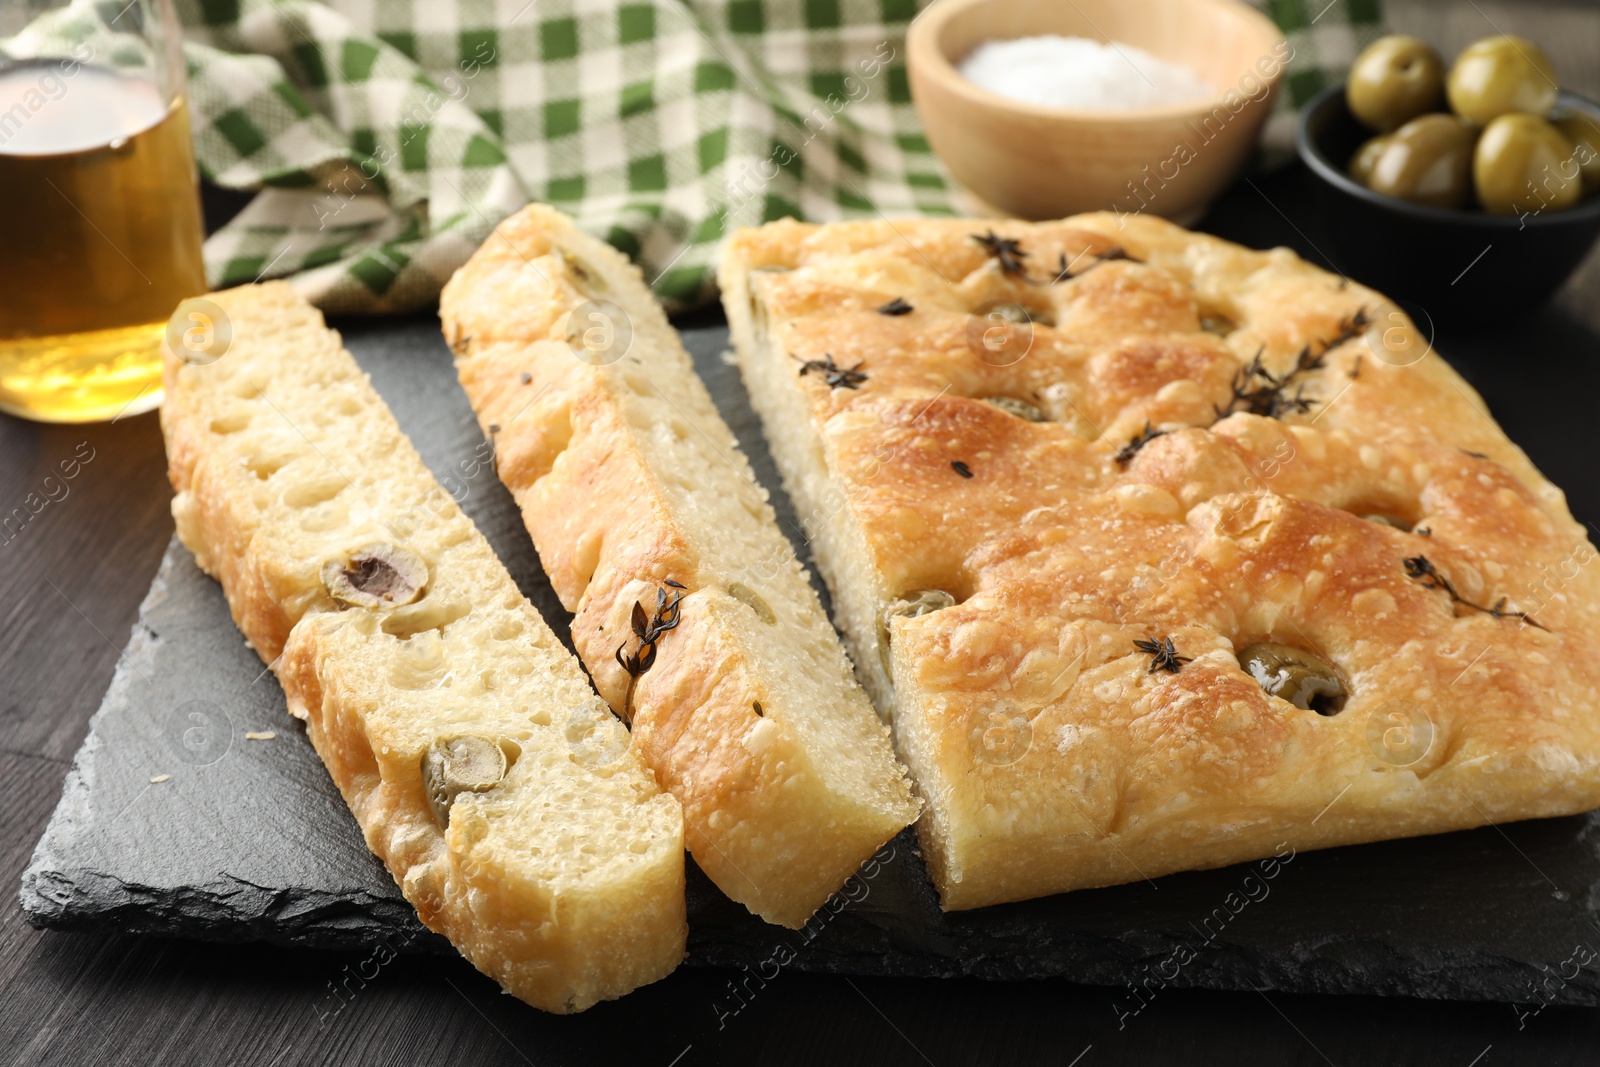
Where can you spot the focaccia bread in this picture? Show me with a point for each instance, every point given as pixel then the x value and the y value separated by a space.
pixel 500 792
pixel 1087 469
pixel 692 613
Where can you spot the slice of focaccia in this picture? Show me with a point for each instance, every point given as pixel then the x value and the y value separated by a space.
pixel 692 614
pixel 1162 552
pixel 500 792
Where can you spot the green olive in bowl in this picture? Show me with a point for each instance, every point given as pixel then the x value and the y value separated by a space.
pixel 1523 163
pixel 1584 133
pixel 1500 76
pixel 1366 157
pixel 1427 161
pixel 1395 79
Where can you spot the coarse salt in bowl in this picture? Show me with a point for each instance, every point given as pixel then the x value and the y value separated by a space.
pixel 1075 72
pixel 1049 160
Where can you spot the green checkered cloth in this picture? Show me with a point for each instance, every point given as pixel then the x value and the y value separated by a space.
pixel 1326 36
pixel 388 137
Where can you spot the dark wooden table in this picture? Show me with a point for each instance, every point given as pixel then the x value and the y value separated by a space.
pixel 70 585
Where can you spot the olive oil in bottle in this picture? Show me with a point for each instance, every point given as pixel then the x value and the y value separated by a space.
pixel 99 238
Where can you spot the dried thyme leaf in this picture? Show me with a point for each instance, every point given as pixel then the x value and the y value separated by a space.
pixel 836 376
pixel 1163 655
pixel 1126 453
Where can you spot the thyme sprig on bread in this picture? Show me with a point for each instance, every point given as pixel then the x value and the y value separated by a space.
pixel 1422 569
pixel 647 629
pixel 1009 254
pixel 1257 391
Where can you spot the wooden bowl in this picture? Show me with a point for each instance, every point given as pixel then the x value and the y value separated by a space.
pixel 1045 163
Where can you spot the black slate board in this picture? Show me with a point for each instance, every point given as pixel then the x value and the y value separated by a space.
pixel 248 840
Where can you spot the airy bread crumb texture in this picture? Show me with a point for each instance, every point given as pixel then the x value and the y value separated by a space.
pixel 627 478
pixel 501 793
pixel 1028 473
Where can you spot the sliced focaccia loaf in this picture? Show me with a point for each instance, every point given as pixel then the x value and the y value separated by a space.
pixel 692 613
pixel 498 789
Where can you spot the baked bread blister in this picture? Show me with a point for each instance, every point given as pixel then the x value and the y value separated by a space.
pixel 497 788
pixel 1163 553
pixel 692 613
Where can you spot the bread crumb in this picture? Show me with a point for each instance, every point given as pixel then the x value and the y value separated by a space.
pixel 158 779
pixel 261 735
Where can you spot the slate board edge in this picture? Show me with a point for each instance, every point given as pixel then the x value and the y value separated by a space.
pixel 62 896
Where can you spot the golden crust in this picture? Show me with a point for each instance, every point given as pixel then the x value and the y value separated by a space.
pixel 615 464
pixel 1050 754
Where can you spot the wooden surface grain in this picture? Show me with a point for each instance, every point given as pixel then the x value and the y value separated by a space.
pixel 70 584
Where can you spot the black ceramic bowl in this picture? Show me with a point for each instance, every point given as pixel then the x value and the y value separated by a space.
pixel 1449 262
